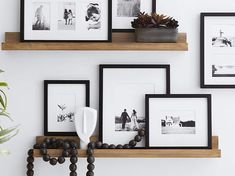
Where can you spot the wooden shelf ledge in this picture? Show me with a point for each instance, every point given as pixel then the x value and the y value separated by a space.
pixel 141 153
pixel 121 41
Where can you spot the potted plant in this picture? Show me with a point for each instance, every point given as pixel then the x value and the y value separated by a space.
pixel 155 28
pixel 5 133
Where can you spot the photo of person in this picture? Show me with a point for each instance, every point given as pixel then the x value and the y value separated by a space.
pixel 93 16
pixel 41 19
pixel 129 123
pixel 128 8
pixel 66 16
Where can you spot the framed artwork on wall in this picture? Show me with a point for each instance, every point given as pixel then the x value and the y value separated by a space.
pixel 178 121
pixel 217 50
pixel 62 98
pixel 66 20
pixel 122 99
pixel 124 11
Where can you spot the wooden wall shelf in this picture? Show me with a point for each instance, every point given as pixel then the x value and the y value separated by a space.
pixel 142 153
pixel 121 41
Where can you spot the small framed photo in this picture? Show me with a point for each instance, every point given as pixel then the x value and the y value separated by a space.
pixel 178 121
pixel 122 99
pixel 217 50
pixel 62 99
pixel 66 20
pixel 124 11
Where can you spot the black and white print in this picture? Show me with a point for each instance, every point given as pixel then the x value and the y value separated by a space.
pixel 66 104
pixel 41 16
pixel 223 70
pixel 129 121
pixel 66 16
pixel 178 122
pixel 93 16
pixel 128 8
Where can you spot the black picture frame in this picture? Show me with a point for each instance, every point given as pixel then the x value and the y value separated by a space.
pixel 178 96
pixel 133 30
pixel 203 83
pixel 125 66
pixel 62 82
pixel 22 27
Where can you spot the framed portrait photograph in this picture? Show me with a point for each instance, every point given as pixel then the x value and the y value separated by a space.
pixel 66 20
pixel 62 99
pixel 178 121
pixel 122 99
pixel 125 11
pixel 217 50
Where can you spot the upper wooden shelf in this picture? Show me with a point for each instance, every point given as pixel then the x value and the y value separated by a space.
pixel 141 153
pixel 121 41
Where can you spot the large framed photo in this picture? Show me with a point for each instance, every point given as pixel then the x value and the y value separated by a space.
pixel 178 121
pixel 122 99
pixel 66 20
pixel 62 99
pixel 217 50
pixel 124 11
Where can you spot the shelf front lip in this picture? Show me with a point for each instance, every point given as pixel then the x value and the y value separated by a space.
pixel 93 46
pixel 141 153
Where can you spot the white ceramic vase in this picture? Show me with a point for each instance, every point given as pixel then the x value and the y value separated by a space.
pixel 85 123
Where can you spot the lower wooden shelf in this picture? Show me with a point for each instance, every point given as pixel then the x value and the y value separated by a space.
pixel 143 153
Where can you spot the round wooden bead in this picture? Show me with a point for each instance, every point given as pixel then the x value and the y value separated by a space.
pixel 43 145
pixel 98 144
pixel 73 159
pixel 126 146
pixel 90 151
pixel 60 143
pixel 47 141
pixel 61 159
pixel 66 145
pixel 30 173
pixel 138 138
pixel 36 146
pixel 46 158
pixel 141 132
pixel 119 146
pixel 132 143
pixel 91 145
pixel 90 167
pixel 90 173
pixel 65 153
pixel 74 152
pixel 53 140
pixel 30 152
pixel 74 144
pixel 105 146
pixel 30 159
pixel 112 146
pixel 73 174
pixel 90 159
pixel 53 161
pixel 43 151
pixel 73 167
pixel 30 166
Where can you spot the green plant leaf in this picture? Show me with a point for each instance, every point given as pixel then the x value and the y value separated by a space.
pixel 1 71
pixel 2 102
pixel 8 131
pixel 6 138
pixel 5 114
pixel 3 84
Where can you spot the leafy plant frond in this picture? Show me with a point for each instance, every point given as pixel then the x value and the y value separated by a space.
pixel 3 99
pixel 7 131
pixel 3 84
pixel 6 138
pixel 1 71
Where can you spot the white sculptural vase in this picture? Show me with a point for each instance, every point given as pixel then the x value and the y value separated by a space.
pixel 85 123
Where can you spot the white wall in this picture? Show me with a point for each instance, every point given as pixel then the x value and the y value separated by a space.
pixel 25 72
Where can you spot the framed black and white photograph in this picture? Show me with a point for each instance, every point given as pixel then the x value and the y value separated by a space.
pixel 125 11
pixel 66 20
pixel 178 121
pixel 217 50
pixel 62 99
pixel 122 99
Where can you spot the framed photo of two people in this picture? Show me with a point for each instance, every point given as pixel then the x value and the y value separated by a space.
pixel 122 99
